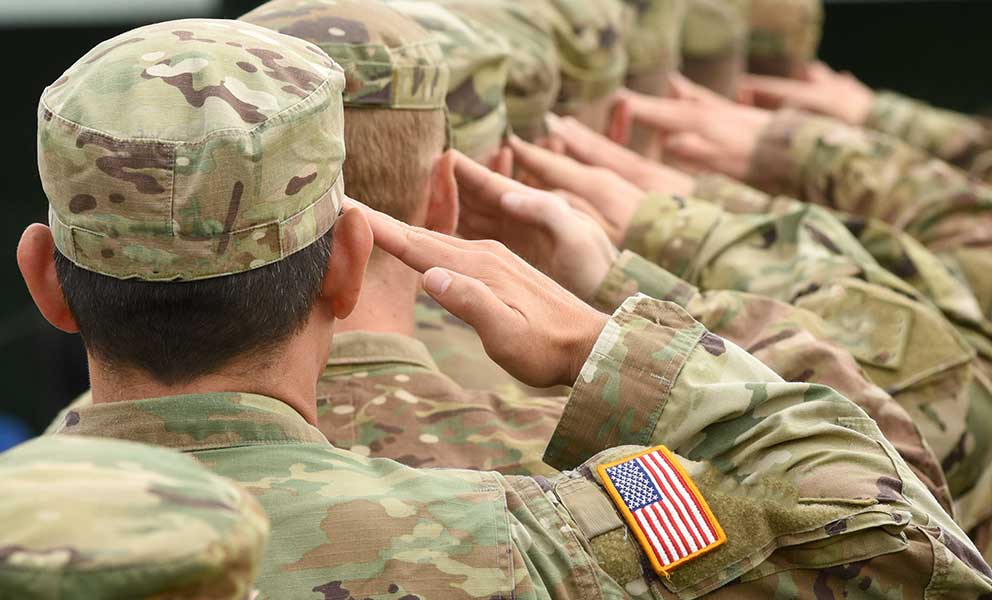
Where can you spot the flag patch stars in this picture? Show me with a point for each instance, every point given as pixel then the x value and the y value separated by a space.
pixel 663 507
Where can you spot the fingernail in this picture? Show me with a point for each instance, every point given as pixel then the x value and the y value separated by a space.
pixel 511 200
pixel 436 281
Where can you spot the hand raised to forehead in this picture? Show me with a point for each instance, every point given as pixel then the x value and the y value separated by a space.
pixel 532 327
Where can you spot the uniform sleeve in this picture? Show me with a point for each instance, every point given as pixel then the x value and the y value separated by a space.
pixel 953 137
pixel 670 230
pixel 871 175
pixel 797 476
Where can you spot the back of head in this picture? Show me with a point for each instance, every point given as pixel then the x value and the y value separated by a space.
pixel 654 42
pixel 533 77
pixel 477 58
pixel 394 97
pixel 89 518
pixel 193 169
pixel 784 35
pixel 589 37
pixel 714 43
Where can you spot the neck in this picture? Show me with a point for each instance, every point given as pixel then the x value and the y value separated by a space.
pixel 388 298
pixel 288 374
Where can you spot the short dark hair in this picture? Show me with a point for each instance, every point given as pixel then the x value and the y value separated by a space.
pixel 179 331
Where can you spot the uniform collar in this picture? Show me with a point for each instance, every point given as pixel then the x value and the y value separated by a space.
pixel 358 350
pixel 194 422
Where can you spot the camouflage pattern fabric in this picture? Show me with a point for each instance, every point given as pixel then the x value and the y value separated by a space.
pixel 806 257
pixel 478 61
pixel 784 35
pixel 589 37
pixel 871 175
pixel 382 395
pixel 811 495
pixel 961 140
pixel 90 518
pixel 654 42
pixel 533 73
pixel 184 195
pixel 395 64
pixel 714 44
pixel 793 342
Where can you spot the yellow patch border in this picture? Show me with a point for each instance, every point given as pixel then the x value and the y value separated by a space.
pixel 632 524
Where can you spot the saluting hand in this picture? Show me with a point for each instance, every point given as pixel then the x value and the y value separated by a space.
pixel 532 327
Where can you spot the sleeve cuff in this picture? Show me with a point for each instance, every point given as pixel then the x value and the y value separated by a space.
pixel 776 166
pixel 630 274
pixel 670 230
pixel 731 195
pixel 622 390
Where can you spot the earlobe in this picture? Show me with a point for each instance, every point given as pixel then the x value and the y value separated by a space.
pixel 442 212
pixel 36 262
pixel 351 247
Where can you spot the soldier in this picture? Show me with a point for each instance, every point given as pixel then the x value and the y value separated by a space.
pixel 207 330
pixel 714 44
pixel 783 36
pixel 100 519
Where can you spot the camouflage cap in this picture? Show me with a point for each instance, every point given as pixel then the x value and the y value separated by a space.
pixel 654 41
pixel 97 518
pixel 784 35
pixel 389 60
pixel 192 149
pixel 533 77
pixel 714 43
pixel 589 36
pixel 478 60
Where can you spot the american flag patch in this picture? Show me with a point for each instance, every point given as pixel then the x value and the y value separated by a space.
pixel 663 508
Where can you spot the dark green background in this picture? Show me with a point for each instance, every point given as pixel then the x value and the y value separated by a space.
pixel 932 50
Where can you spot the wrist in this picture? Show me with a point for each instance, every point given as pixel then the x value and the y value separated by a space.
pixel 587 331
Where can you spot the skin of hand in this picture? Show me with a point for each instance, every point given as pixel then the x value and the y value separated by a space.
pixel 564 243
pixel 532 327
pixel 822 90
pixel 614 198
pixel 702 130
pixel 590 148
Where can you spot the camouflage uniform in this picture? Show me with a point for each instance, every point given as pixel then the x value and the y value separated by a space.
pixel 959 139
pixel 803 255
pixel 875 176
pixel 813 499
pixel 89 519
pixel 478 60
pixel 784 35
pixel 714 44
pixel 589 37
pixel 533 77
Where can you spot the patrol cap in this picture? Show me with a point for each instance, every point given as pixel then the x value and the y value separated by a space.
pixel 589 36
pixel 655 36
pixel 784 35
pixel 389 60
pixel 87 518
pixel 533 77
pixel 714 43
pixel 192 149
pixel 478 60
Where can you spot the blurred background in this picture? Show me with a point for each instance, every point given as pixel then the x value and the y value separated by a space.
pixel 929 49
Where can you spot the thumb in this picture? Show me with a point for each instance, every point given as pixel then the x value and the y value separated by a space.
pixel 690 151
pixel 466 298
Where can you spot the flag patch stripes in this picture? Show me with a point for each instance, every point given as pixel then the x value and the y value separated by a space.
pixel 663 507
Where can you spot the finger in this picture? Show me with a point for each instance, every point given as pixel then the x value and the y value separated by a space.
pixel 772 92
pixel 475 226
pixel 539 208
pixel 591 148
pixel 690 152
pixel 477 184
pixel 666 115
pixel 544 164
pixel 416 247
pixel 502 161
pixel 467 298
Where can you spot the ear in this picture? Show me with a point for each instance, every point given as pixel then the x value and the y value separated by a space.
pixel 350 250
pixel 37 265
pixel 442 209
pixel 621 121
